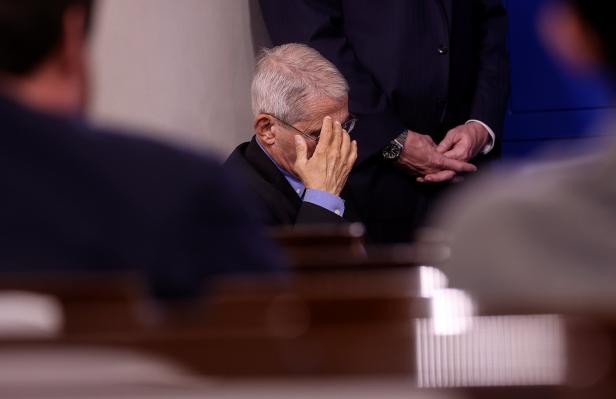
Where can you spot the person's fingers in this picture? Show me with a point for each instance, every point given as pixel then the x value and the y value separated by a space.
pixel 452 164
pixel 353 156
pixel 301 151
pixel 336 137
pixel 326 135
pixel 458 152
pixel 439 177
pixel 447 143
pixel 345 147
pixel 333 151
pixel 461 150
pixel 347 165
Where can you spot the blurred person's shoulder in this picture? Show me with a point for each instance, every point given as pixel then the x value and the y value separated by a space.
pixel 135 148
pixel 128 167
pixel 136 154
pixel 548 185
pixel 76 140
pixel 512 187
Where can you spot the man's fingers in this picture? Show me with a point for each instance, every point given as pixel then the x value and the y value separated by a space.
pixel 348 165
pixel 326 134
pixel 439 177
pixel 345 147
pixel 448 142
pixel 457 152
pixel 456 166
pixel 337 137
pixel 332 154
pixel 353 155
pixel 301 150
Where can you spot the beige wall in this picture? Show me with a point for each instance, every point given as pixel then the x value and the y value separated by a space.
pixel 178 69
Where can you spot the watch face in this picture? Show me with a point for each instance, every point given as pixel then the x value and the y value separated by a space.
pixel 391 151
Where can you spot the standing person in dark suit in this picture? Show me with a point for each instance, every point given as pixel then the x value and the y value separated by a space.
pixel 75 198
pixel 429 82
pixel 298 162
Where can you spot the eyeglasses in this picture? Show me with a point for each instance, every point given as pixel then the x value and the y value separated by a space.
pixel 347 125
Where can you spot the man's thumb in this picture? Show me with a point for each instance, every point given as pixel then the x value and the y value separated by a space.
pixel 445 145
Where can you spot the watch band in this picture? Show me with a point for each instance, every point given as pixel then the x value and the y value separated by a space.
pixel 392 150
pixel 401 139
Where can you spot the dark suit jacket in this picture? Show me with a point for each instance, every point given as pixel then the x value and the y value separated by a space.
pixel 279 203
pixel 76 198
pixel 424 65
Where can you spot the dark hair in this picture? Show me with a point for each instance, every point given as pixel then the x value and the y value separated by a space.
pixel 30 30
pixel 601 21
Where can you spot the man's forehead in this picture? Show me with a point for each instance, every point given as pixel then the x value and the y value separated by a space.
pixel 319 108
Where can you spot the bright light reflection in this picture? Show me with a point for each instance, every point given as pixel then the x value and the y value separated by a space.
pixel 430 280
pixel 26 314
pixel 452 311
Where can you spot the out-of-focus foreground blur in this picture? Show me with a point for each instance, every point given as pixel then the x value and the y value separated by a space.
pixel 349 319
pixel 347 323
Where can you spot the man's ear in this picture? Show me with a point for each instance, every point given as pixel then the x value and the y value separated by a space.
pixel 264 128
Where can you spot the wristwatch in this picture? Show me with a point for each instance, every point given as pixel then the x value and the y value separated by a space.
pixel 394 148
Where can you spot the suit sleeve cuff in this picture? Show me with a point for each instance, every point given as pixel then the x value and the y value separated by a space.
pixel 490 145
pixel 325 200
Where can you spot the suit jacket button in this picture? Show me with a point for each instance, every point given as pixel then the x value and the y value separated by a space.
pixel 443 50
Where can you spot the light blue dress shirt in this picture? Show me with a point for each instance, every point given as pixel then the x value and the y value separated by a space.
pixel 326 200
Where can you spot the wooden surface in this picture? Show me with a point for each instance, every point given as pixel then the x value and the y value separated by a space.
pixel 350 318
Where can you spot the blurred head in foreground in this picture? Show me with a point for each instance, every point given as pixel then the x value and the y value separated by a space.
pixel 543 238
pixel 43 47
pixel 82 199
pixel 581 33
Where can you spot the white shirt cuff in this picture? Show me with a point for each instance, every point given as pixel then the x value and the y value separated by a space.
pixel 490 145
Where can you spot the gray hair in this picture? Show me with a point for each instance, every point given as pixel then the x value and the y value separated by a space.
pixel 287 76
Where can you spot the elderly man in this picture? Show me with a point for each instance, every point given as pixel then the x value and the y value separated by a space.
pixel 300 157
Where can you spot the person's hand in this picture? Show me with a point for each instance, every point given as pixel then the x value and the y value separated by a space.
pixel 329 167
pixel 464 142
pixel 420 156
